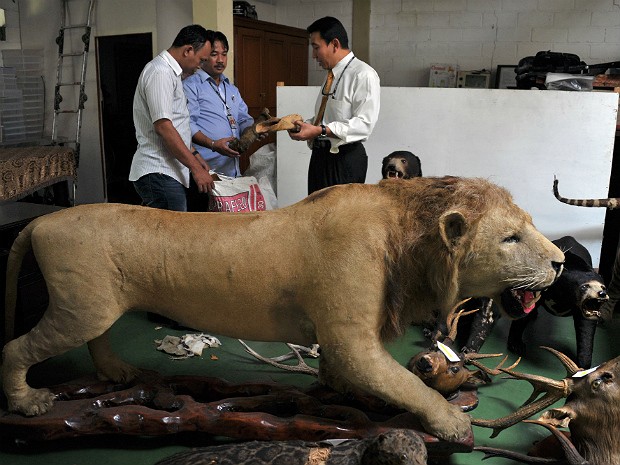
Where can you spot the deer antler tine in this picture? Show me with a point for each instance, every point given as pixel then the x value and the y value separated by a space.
pixel 312 351
pixel 571 367
pixel 554 391
pixel 453 319
pixel 570 451
pixel 476 356
pixel 491 371
pixel 302 367
pixel 511 367
pixel 500 424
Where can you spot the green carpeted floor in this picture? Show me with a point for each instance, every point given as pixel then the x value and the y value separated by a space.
pixel 133 337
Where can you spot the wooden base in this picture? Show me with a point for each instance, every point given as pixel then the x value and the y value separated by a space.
pixel 154 405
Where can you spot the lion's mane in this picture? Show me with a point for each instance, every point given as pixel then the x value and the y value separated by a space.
pixel 417 237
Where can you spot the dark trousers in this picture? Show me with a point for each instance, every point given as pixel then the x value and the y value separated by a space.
pixel 196 201
pixel 161 191
pixel 326 169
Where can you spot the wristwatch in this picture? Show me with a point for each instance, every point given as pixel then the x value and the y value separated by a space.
pixel 323 130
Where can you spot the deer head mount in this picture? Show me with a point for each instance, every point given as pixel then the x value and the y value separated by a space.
pixel 442 369
pixel 591 411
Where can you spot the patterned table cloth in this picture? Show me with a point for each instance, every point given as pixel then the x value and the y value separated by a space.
pixel 24 170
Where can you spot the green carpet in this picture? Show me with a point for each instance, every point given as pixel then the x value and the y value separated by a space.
pixel 133 336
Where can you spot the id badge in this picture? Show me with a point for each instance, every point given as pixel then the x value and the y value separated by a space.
pixel 231 121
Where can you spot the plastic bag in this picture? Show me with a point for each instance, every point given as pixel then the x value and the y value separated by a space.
pixel 263 163
pixel 242 194
pixel 562 81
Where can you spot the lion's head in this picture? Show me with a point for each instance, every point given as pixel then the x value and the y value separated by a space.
pixel 466 238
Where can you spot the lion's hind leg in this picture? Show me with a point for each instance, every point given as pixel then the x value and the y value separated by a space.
pixel 107 363
pixel 58 331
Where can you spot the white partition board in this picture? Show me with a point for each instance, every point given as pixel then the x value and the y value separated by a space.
pixel 515 138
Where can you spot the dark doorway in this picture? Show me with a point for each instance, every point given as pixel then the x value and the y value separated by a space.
pixel 120 60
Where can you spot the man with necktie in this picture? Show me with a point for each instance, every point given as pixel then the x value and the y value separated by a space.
pixel 346 110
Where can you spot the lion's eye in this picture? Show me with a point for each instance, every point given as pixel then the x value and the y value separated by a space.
pixel 596 383
pixel 512 239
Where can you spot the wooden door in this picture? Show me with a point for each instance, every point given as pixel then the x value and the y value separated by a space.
pixel 249 61
pixel 266 54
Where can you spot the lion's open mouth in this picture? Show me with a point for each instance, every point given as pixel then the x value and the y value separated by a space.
pixel 519 302
pixel 394 174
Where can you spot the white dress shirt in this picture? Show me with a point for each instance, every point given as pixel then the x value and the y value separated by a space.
pixel 353 108
pixel 159 94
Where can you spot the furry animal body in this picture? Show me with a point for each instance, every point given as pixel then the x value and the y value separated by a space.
pixel 579 292
pixel 397 447
pixel 348 267
pixel 401 164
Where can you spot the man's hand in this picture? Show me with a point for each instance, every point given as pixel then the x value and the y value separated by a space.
pixel 221 146
pixel 304 131
pixel 204 180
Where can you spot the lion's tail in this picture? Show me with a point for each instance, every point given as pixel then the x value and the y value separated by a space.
pixel 21 246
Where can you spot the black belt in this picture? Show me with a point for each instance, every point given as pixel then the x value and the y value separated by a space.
pixel 323 144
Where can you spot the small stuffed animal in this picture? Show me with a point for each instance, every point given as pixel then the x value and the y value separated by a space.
pixel 579 291
pixel 401 164
pixel 396 447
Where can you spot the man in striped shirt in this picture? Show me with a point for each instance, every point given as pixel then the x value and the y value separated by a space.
pixel 163 161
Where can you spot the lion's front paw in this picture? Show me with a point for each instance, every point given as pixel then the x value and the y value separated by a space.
pixel 36 402
pixel 449 424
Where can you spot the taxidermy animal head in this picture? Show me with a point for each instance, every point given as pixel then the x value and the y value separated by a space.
pixel 401 164
pixel 264 124
pixel 591 411
pixel 442 369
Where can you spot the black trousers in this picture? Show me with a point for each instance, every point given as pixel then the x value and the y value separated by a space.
pixel 196 201
pixel 326 169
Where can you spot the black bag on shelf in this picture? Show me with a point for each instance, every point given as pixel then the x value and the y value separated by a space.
pixel 244 9
pixel 531 71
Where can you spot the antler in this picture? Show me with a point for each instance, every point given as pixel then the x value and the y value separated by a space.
pixel 472 358
pixel 573 457
pixel 453 317
pixel 301 367
pixel 571 367
pixel 554 390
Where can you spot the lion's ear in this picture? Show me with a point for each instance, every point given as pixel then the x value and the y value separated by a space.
pixel 452 227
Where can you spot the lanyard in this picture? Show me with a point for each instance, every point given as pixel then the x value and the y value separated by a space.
pixel 333 92
pixel 231 120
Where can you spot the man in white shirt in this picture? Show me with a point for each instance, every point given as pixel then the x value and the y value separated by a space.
pixel 346 111
pixel 163 161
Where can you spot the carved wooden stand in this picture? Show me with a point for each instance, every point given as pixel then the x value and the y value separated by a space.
pixel 156 405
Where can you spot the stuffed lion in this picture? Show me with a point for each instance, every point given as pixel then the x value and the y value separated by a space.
pixel 348 267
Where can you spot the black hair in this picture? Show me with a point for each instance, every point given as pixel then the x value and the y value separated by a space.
pixel 330 28
pixel 194 35
pixel 219 36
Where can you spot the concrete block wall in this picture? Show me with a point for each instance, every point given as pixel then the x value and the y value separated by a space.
pixel 407 36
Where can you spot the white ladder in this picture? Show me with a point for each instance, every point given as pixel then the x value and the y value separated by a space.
pixel 77 85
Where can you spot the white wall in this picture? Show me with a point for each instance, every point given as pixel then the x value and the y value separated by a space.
pixel 515 138
pixel 406 36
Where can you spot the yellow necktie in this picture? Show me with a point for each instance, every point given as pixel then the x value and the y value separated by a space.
pixel 326 88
